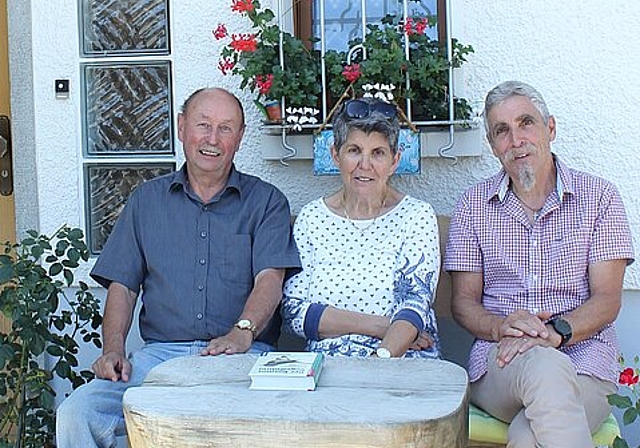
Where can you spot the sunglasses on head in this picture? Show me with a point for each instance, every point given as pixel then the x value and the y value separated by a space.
pixel 355 109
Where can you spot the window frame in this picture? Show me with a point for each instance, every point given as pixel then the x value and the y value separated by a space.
pixel 303 20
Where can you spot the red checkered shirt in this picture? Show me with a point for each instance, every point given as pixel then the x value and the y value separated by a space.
pixel 541 265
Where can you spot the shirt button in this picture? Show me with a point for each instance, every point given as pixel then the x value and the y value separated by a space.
pixel 203 261
pixel 199 316
pixel 200 287
pixel 203 234
pixel 535 243
pixel 535 278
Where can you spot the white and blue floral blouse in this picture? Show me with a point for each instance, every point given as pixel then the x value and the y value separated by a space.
pixel 388 266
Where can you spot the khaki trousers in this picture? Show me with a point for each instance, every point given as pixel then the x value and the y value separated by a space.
pixel 547 404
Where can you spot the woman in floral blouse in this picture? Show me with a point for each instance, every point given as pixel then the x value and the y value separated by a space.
pixel 370 254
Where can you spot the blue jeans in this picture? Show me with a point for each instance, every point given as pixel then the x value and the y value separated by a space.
pixel 91 417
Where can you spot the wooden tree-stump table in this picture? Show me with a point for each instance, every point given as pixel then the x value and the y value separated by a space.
pixel 359 402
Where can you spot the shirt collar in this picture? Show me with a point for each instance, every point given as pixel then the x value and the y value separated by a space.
pixel 180 180
pixel 564 181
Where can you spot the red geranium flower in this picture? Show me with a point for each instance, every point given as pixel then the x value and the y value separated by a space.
pixel 244 42
pixel 421 25
pixel 264 83
pixel 220 32
pixel 351 72
pixel 628 377
pixel 408 26
pixel 242 5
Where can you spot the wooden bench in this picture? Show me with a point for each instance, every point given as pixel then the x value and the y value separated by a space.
pixel 484 431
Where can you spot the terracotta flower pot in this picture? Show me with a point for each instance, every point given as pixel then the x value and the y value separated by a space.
pixel 274 111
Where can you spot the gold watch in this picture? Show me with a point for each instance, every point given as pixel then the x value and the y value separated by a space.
pixel 246 324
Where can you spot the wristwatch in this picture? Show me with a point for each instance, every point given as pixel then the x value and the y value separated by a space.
pixel 563 328
pixel 382 352
pixel 246 324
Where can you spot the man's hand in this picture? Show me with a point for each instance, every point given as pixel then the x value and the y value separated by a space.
pixel 112 366
pixel 236 341
pixel 510 347
pixel 522 323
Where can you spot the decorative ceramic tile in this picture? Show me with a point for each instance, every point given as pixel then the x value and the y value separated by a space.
pixel 408 145
pixel 108 188
pixel 112 27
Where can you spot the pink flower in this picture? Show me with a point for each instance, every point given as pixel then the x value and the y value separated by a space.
pixel 244 42
pixel 264 83
pixel 226 65
pixel 628 377
pixel 220 32
pixel 351 72
pixel 242 6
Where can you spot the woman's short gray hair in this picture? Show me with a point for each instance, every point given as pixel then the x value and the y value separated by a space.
pixel 508 89
pixel 373 122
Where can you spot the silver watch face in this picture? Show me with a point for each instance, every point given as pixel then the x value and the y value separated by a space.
pixel 383 353
pixel 244 324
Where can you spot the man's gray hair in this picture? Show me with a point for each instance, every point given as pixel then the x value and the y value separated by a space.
pixel 508 89
pixel 374 122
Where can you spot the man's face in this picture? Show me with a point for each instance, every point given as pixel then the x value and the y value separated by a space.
pixel 210 131
pixel 519 138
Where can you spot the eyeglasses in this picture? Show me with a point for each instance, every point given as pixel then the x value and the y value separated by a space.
pixel 356 109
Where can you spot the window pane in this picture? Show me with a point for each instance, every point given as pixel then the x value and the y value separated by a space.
pixel 343 18
pixel 124 26
pixel 128 109
pixel 109 187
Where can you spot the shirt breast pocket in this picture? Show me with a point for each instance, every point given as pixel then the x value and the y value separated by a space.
pixel 569 255
pixel 236 261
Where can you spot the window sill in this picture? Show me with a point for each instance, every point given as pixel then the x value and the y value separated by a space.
pixel 467 142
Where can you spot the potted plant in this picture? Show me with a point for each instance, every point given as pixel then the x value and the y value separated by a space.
pixel 384 71
pixel 34 276
pixel 376 66
pixel 255 57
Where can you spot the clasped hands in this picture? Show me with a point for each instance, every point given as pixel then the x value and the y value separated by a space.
pixel 520 331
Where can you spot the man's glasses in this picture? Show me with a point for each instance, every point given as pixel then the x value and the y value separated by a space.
pixel 355 109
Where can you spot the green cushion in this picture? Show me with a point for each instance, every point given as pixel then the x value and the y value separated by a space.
pixel 484 428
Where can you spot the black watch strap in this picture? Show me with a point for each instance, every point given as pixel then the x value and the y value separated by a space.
pixel 563 328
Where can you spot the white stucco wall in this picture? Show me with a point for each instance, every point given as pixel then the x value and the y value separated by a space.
pixel 583 59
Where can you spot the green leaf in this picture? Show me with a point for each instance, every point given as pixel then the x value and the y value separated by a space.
pixel 68 276
pixel 54 350
pixel 55 269
pixel 629 416
pixel 76 234
pixel 619 401
pixel 619 443
pixel 6 269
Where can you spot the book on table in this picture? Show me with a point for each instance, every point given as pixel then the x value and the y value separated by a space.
pixel 286 371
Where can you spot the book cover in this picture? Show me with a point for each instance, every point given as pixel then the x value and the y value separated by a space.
pixel 286 371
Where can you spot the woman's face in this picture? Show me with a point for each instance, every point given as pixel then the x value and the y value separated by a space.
pixel 365 162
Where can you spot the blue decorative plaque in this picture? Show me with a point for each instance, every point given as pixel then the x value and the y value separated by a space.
pixel 408 145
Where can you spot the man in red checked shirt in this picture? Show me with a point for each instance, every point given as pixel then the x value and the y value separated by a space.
pixel 537 255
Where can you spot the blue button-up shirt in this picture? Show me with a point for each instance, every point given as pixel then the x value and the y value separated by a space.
pixel 196 262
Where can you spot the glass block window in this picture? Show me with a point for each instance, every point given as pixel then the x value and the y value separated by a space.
pixel 109 187
pixel 127 109
pixel 116 27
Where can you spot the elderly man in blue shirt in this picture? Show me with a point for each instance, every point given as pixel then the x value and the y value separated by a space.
pixel 209 247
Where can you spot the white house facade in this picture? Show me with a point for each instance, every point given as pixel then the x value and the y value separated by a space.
pixel 583 57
